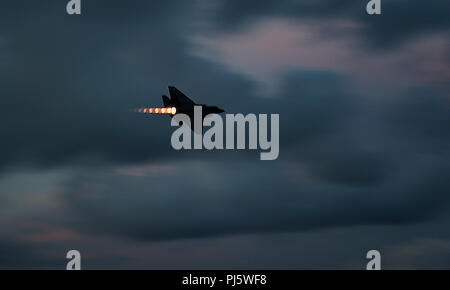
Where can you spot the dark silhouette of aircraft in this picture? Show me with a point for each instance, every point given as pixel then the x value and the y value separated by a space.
pixel 184 105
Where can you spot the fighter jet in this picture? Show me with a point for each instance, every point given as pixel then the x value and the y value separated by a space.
pixel 179 103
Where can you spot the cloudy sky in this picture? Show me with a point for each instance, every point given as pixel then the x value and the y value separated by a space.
pixel 364 159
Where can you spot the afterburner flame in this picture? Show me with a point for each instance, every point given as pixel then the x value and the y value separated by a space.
pixel 168 110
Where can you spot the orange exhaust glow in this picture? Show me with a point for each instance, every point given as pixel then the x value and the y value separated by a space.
pixel 167 110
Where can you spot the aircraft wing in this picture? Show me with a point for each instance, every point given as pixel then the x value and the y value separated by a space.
pixel 179 98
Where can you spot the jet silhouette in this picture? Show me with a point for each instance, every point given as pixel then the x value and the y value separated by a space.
pixel 184 105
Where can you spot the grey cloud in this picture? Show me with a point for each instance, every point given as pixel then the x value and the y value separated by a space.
pixel 66 99
pixel 19 256
pixel 399 22
pixel 347 158
pixel 203 204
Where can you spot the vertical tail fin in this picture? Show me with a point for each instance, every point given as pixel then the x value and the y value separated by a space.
pixel 167 102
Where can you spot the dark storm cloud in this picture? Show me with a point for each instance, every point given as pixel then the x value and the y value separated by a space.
pixel 69 81
pixel 349 161
pixel 261 201
pixel 18 256
pixel 400 20
pixel 421 116
pixel 347 158
pixel 346 138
